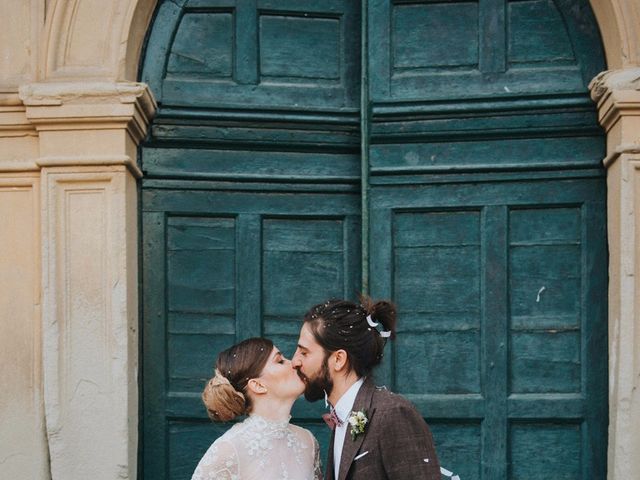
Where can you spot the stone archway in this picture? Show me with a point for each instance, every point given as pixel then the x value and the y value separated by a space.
pixel 82 45
pixel 617 20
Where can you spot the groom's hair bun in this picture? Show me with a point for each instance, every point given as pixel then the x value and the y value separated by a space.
pixel 225 395
pixel 360 329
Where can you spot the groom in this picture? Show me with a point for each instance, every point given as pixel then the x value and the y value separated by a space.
pixel 376 434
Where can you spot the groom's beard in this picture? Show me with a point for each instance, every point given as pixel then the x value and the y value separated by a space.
pixel 318 385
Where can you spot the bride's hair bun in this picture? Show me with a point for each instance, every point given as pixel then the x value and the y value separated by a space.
pixel 225 395
pixel 223 401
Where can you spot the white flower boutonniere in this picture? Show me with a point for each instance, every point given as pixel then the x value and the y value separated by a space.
pixel 358 421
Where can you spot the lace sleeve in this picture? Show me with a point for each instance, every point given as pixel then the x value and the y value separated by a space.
pixel 219 463
pixel 317 465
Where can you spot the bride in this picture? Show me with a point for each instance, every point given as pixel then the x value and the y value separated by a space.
pixel 253 378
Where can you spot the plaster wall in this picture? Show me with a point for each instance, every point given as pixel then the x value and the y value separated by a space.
pixel 71 116
pixel 23 447
pixel 21 25
pixel 23 442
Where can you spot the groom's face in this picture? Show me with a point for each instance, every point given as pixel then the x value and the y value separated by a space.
pixel 310 360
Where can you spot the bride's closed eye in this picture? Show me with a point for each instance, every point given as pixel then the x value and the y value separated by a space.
pixel 282 359
pixel 279 358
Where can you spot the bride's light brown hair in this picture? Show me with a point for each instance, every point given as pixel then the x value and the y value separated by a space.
pixel 225 395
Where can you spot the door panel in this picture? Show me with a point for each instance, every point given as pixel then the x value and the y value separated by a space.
pixel 222 267
pixel 497 291
pixel 438 252
pixel 253 53
pixel 484 189
pixel 470 49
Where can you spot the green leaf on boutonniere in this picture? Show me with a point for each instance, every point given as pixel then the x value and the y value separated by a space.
pixel 358 421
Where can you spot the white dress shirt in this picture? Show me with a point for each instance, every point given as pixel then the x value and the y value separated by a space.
pixel 343 409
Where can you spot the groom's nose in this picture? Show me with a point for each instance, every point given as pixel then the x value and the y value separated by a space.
pixel 295 361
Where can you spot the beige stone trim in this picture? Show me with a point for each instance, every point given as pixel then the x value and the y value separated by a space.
pixel 617 94
pixel 18 140
pixel 52 106
pixel 92 123
pixel 68 161
pixel 624 317
pixel 630 148
pixel 14 122
pixel 90 321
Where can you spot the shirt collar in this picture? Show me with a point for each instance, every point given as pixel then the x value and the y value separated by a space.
pixel 345 404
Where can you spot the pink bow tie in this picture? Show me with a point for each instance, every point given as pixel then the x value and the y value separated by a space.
pixel 332 420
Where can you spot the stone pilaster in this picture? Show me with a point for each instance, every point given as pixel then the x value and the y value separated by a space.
pixel 617 94
pixel 87 139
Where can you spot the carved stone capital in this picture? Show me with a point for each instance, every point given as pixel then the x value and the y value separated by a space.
pixel 88 103
pixel 625 79
pixel 89 123
pixel 617 93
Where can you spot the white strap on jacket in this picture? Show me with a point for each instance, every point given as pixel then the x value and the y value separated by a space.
pixel 447 473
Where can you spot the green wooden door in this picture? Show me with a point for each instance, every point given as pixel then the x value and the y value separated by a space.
pixel 455 167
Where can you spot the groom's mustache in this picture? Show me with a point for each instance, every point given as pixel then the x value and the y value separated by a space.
pixel 302 376
pixel 317 386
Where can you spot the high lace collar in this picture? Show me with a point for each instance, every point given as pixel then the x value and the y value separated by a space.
pixel 270 426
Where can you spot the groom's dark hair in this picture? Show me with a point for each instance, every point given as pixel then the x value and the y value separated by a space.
pixel 344 325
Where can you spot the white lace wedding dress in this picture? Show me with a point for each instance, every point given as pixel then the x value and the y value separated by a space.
pixel 261 449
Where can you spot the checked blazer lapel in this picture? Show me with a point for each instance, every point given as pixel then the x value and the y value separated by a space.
pixel 350 448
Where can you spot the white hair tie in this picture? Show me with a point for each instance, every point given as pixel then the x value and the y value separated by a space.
pixel 383 333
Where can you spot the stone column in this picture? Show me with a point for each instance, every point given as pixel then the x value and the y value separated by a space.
pixel 617 94
pixel 88 134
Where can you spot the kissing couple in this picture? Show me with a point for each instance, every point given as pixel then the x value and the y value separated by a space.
pixel 376 434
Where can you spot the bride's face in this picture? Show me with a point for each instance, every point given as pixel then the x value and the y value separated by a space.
pixel 280 378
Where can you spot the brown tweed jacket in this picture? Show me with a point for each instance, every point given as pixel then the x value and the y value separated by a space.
pixel 396 443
